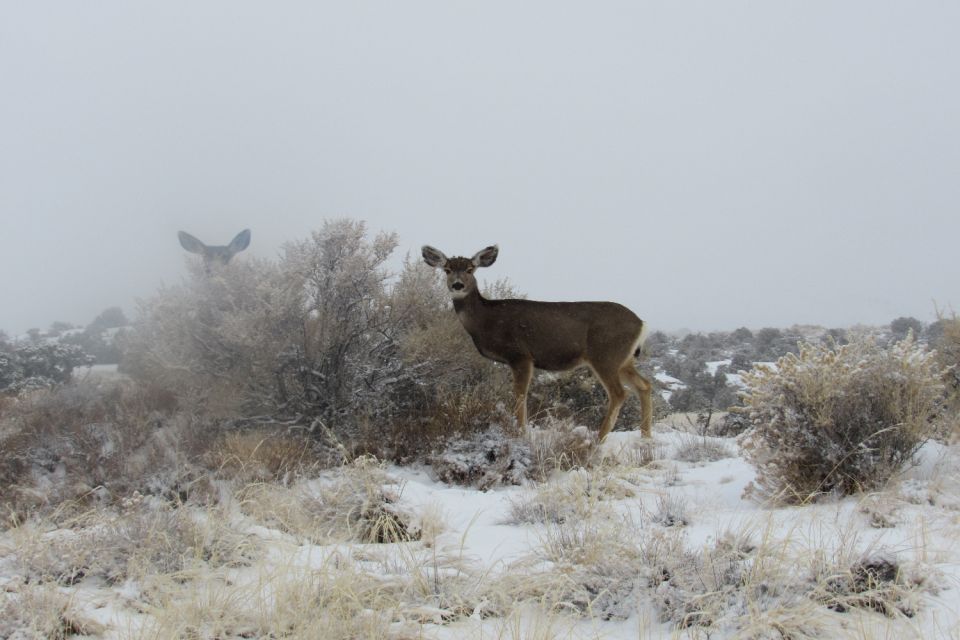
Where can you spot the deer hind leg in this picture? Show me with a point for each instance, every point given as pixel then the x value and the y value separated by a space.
pixel 615 397
pixel 643 389
pixel 522 375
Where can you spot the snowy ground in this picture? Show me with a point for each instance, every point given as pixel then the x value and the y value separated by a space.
pixel 916 520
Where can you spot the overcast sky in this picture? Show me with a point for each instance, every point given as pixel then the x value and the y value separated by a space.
pixel 708 164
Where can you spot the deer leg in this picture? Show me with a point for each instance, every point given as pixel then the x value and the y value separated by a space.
pixel 643 389
pixel 522 375
pixel 615 397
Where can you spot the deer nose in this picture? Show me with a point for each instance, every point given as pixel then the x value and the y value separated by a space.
pixel 457 286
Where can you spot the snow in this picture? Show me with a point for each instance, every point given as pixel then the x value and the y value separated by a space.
pixel 714 492
pixel 713 366
pixel 672 384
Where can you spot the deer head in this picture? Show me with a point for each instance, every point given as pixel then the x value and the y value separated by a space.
pixel 215 255
pixel 460 279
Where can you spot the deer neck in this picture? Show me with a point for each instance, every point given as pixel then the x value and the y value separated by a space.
pixel 470 310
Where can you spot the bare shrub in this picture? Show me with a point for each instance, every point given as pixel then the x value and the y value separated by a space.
pixel 838 418
pixel 433 414
pixel 85 444
pixel 579 397
pixel 216 339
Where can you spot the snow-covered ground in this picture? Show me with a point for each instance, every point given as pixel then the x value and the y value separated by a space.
pixel 916 521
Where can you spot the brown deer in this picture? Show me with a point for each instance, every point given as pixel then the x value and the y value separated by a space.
pixel 553 336
pixel 215 255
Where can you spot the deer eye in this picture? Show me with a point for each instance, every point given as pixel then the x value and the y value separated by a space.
pixel 469 269
pixel 446 270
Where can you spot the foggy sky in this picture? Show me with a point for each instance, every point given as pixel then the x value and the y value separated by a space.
pixel 708 164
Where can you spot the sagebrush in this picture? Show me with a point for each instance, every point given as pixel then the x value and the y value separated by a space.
pixel 839 418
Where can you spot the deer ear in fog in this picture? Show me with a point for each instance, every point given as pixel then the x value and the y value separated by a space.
pixel 215 255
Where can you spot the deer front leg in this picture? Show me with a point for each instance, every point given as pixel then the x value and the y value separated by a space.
pixel 522 375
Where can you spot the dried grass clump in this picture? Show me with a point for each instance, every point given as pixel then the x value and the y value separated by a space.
pixel 263 455
pixel 358 502
pixel 579 494
pixel 587 566
pixel 947 345
pixel 337 600
pixel 42 612
pixel 702 449
pixel 671 511
pixel 876 582
pixel 43 554
pixel 559 445
pixel 155 539
pixel 143 540
pixel 732 586
pixel 839 419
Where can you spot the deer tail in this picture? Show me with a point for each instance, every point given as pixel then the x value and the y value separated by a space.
pixel 640 339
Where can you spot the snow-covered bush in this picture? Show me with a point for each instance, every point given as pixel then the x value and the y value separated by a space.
pixel 325 338
pixel 838 418
pixel 216 340
pixel 484 459
pixel 39 366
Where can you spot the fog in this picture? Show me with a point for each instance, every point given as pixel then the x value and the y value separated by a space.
pixel 709 164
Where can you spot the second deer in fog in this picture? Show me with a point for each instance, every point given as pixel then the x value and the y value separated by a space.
pixel 553 336
pixel 217 254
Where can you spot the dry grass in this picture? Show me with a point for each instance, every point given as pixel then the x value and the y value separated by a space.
pixel 561 445
pixel 579 494
pixel 344 597
pixel 702 449
pixel 143 540
pixel 357 503
pixel 263 455
pixel 42 612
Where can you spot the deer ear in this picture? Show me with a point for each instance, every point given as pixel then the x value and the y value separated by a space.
pixel 433 257
pixel 190 243
pixel 240 242
pixel 486 257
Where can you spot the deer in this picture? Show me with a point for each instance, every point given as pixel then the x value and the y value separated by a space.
pixel 215 255
pixel 550 336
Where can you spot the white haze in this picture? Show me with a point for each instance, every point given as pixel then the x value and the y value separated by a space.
pixel 709 164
